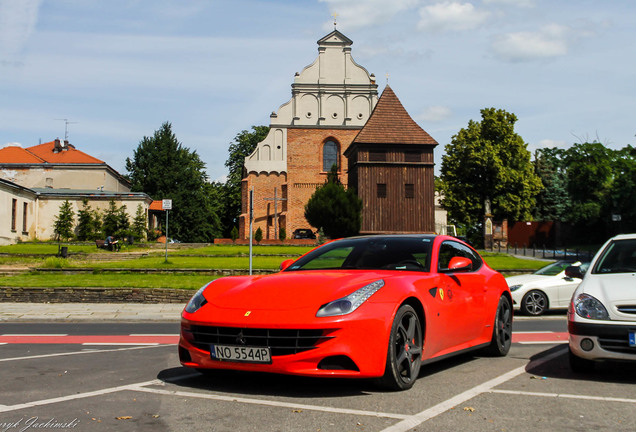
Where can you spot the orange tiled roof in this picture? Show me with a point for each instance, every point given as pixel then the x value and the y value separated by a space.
pixel 391 124
pixel 156 205
pixel 70 155
pixel 15 154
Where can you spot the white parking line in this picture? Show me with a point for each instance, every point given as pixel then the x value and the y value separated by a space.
pixel 155 334
pixel 565 396
pixel 417 419
pixel 543 342
pixel 272 403
pixel 8 408
pixel 79 352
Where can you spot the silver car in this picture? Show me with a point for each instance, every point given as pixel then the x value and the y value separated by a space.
pixel 602 313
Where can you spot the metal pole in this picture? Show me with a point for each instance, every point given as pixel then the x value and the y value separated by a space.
pixel 167 211
pixel 251 224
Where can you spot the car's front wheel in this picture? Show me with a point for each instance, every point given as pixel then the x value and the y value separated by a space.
pixel 404 356
pixel 534 303
pixel 502 331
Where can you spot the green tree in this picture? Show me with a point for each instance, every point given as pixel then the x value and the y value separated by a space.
pixel 123 223
pixel 258 235
pixel 488 162
pixel 234 234
pixel 88 222
pixel 333 208
pixel 243 145
pixel 163 168
pixel 553 202
pixel 282 234
pixel 110 221
pixel 589 175
pixel 623 191
pixel 140 223
pixel 63 222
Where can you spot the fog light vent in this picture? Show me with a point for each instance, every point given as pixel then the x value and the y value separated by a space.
pixel 587 344
pixel 339 362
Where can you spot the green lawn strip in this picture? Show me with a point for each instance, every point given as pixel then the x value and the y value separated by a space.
pixel 502 261
pixel 241 250
pixel 175 262
pixel 53 248
pixel 105 280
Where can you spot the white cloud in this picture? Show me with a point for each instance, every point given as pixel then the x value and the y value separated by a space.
pixel 550 41
pixel 451 16
pixel 355 14
pixel 518 3
pixel 17 23
pixel 435 114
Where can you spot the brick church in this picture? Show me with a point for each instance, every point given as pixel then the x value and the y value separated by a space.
pixel 336 117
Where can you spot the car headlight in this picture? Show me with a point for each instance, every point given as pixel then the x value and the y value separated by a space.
pixel 589 307
pixel 515 287
pixel 196 301
pixel 348 304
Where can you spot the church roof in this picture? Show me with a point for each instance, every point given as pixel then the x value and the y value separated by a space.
pixel 391 124
pixel 46 153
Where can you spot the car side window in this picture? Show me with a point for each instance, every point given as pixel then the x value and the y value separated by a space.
pixel 451 249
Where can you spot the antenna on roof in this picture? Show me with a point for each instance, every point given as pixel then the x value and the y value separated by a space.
pixel 66 123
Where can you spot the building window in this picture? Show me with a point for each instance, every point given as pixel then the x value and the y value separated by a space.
pixel 329 155
pixel 25 208
pixel 409 190
pixel 412 156
pixel 14 209
pixel 381 190
pixel 377 156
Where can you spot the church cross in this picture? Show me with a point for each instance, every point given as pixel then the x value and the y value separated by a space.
pixel 275 199
pixel 335 19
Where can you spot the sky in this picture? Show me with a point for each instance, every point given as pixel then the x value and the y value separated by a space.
pixel 117 70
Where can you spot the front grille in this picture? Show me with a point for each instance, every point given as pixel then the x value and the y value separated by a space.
pixel 628 309
pixel 616 344
pixel 280 341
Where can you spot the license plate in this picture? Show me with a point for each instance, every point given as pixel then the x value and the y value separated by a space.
pixel 632 339
pixel 241 353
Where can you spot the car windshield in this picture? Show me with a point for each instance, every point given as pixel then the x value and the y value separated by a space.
pixel 618 257
pixel 554 268
pixel 368 253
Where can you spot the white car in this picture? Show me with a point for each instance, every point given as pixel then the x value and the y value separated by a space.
pixel 547 288
pixel 602 313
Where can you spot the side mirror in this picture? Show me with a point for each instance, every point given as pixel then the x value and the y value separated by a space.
pixel 460 264
pixel 286 264
pixel 574 272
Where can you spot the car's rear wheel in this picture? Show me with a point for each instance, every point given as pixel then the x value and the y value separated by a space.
pixel 502 331
pixel 404 357
pixel 534 303
pixel 578 364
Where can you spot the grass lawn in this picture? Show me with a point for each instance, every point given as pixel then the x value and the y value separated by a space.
pixel 502 261
pixel 107 280
pixel 52 248
pixel 242 250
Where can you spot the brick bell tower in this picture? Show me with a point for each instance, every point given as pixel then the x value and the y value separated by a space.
pixel 331 101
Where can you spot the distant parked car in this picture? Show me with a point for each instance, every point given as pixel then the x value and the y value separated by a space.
pixel 602 315
pixel 547 288
pixel 304 233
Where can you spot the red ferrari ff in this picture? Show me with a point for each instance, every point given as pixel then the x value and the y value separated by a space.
pixel 361 307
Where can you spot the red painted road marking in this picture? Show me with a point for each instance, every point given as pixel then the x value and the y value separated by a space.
pixel 88 339
pixel 529 337
pixel 539 337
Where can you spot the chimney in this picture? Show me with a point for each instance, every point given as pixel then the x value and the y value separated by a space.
pixel 58 146
pixel 65 147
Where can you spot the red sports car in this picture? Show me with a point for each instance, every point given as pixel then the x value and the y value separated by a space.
pixel 361 307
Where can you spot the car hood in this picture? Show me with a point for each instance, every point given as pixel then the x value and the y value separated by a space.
pixel 612 289
pixel 524 279
pixel 286 290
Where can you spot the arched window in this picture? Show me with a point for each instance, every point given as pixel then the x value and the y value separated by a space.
pixel 329 155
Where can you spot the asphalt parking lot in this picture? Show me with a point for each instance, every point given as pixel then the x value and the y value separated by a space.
pixel 102 387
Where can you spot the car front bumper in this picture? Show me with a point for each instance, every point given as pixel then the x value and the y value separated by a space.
pixel 608 341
